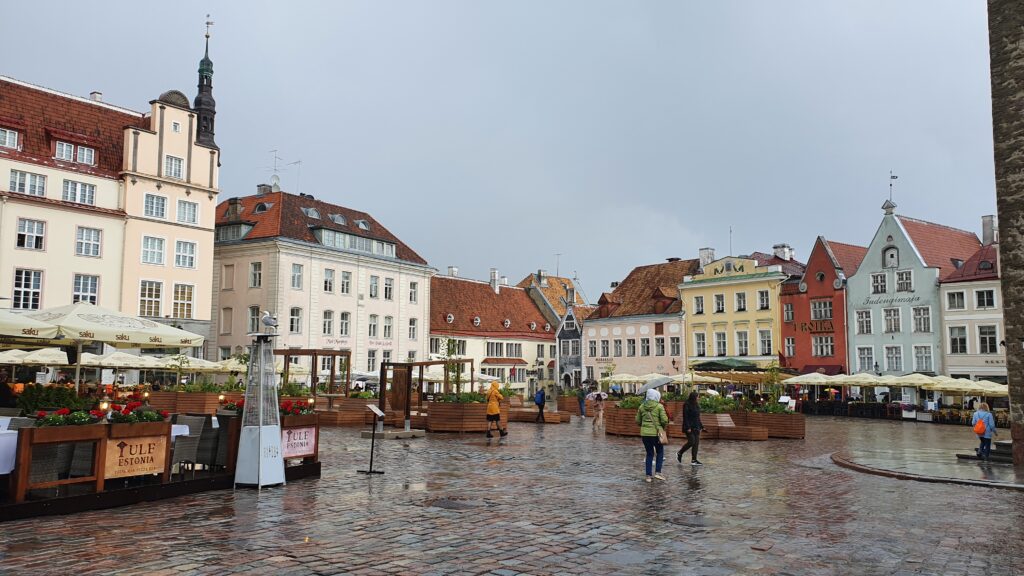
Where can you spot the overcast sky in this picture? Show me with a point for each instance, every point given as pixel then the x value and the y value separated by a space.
pixel 615 133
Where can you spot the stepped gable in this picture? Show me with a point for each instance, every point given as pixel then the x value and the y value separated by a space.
pixel 282 216
pixel 42 116
pixel 635 296
pixel 983 265
pixel 939 245
pixel 467 299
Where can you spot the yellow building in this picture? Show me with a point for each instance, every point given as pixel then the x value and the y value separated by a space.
pixel 732 306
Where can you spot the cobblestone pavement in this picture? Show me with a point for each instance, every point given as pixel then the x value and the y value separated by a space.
pixel 558 499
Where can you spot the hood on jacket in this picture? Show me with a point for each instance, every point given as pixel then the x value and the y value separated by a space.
pixel 653 395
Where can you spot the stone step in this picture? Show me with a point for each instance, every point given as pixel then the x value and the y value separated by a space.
pixel 993 457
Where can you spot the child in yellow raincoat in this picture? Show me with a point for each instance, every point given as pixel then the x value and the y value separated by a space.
pixel 494 399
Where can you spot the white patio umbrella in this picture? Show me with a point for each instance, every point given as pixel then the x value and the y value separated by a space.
pixel 812 379
pixel 45 357
pixel 624 378
pixel 691 378
pixel 12 356
pixel 84 322
pixel 860 379
pixel 22 325
pixel 913 380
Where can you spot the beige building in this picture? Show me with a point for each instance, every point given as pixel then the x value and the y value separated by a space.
pixel 103 204
pixel 334 277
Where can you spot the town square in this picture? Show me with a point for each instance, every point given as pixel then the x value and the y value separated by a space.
pixel 513 288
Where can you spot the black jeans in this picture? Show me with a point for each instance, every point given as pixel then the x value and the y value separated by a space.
pixel 692 441
pixel 540 413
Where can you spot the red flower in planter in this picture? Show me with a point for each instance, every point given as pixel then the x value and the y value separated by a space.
pixel 41 414
pixel 98 414
pixel 116 407
pixel 240 403
pixel 296 411
pixel 126 412
pixel 286 406
pixel 63 412
pixel 164 413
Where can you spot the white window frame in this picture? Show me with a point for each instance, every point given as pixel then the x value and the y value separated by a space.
pixel 723 339
pixel 888 364
pixel 414 288
pixel 898 318
pixel 995 339
pixel 329 280
pixel 158 300
pixel 344 323
pixel 194 212
pixel 295 320
pixel 764 300
pixel 860 360
pixel 371 325
pixel 915 318
pixel 591 348
pixel 413 329
pixel 30 232
pixel 256 274
pixel 184 259
pixel 675 346
pixel 659 345
pixel 297 280
pixel 345 283
pixel 154 206
pixel 174 167
pixel 85 155
pixel 949 339
pixel 617 348
pixel 254 319
pixel 374 287
pixel 645 347
pixel 78 192
pixel 870 321
pixel 389 327
pixel 605 353
pixel 719 303
pixel 8 138
pixel 979 291
pixel 84 246
pixel 740 300
pixel 327 324
pixel 28 183
pixel 177 305
pixel 790 345
pixel 698 304
pixel 64 151
pixel 761 340
pixel 700 344
pixel 26 291
pixel 963 299
pixel 389 288
pixel 909 284
pixel 883 283
pixel 823 346
pixel 742 343
pixel 631 347
pixel 931 358
pixel 147 253
pixel 787 312
pixel 824 309
pixel 78 289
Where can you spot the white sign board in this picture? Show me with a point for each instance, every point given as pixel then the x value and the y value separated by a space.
pixel 375 410
pixel 42 377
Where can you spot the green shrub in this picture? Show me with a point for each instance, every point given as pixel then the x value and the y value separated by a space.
pixel 293 389
pixel 365 395
pixel 716 404
pixel 630 402
pixel 36 397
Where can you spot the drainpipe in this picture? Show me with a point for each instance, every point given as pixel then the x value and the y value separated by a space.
pixel 3 227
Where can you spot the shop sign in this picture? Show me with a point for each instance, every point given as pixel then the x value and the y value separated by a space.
pixel 135 456
pixel 298 442
pixel 890 300
pixel 815 326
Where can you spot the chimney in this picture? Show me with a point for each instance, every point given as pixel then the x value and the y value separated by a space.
pixel 542 278
pixel 453 271
pixel 672 259
pixel 262 189
pixel 504 281
pixel 494 281
pixel 232 214
pixel 989 230
pixel 707 256
pixel 96 96
pixel 783 251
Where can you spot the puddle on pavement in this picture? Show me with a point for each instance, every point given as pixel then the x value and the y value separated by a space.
pixel 456 504
pixel 695 521
pixel 422 486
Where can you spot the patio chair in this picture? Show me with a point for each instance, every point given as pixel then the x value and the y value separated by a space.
pixel 81 462
pixel 51 462
pixel 207 452
pixel 18 422
pixel 221 458
pixel 10 411
pixel 186 448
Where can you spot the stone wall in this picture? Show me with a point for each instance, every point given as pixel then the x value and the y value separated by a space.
pixel 1006 52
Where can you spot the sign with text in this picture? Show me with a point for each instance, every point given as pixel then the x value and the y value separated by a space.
pixel 135 456
pixel 298 442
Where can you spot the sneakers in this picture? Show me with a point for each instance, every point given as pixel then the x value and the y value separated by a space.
pixel 679 456
pixel 489 435
pixel 696 463
pixel 504 433
pixel 659 476
pixel 647 479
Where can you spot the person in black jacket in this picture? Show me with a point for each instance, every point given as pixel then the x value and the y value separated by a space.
pixel 692 428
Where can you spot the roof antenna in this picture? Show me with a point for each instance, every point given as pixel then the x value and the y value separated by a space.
pixel 730 240
pixel 298 176
pixel 558 258
pixel 891 178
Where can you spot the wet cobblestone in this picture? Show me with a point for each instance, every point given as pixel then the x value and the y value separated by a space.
pixel 557 500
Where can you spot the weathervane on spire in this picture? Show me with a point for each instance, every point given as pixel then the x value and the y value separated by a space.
pixel 208 24
pixel 891 178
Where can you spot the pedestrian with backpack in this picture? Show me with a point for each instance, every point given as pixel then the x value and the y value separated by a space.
pixel 984 426
pixel 652 418
pixel 539 398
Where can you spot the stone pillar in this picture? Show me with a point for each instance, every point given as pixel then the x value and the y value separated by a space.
pixel 1006 52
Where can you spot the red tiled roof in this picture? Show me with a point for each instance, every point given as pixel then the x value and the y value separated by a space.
pixel 789 267
pixel 848 256
pixel 972 270
pixel 284 217
pixel 636 294
pixel 554 291
pixel 939 244
pixel 42 116
pixel 467 299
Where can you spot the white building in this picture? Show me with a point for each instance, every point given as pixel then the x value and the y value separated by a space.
pixel 335 277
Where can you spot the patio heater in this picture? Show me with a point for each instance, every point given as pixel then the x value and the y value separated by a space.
pixel 260 461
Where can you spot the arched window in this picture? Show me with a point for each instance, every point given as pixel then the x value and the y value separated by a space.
pixel 891 257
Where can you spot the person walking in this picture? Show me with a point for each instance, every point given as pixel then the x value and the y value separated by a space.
pixel 652 419
pixel 494 399
pixel 985 427
pixel 598 411
pixel 539 399
pixel 691 427
pixel 581 396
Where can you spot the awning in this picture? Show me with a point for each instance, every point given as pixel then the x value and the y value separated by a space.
pixel 725 364
pixel 504 361
pixel 551 364
pixel 826 369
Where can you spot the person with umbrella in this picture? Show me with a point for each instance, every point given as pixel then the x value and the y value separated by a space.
pixel 652 418
pixel 691 427
pixel 598 399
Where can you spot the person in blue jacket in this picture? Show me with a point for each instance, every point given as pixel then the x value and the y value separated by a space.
pixel 983 415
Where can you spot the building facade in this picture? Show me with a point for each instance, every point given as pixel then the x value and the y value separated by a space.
pixel 893 310
pixel 106 205
pixel 496 325
pixel 972 315
pixel 732 306
pixel 638 327
pixel 814 310
pixel 564 307
pixel 335 278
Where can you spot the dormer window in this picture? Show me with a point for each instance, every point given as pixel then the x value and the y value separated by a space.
pixel 476 321
pixel 985 265
pixel 338 219
pixel 363 224
pixel 958 263
pixel 65 151
pixel 311 213
pixel 533 325
pixel 506 323
pixel 450 318
pixel 891 258
pixel 8 138
pixel 260 208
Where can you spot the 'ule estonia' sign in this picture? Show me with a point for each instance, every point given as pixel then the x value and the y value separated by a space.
pixel 298 442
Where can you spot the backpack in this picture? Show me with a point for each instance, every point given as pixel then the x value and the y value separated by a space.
pixel 538 398
pixel 979 427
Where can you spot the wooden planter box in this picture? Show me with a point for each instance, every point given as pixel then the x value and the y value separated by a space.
pixel 778 425
pixel 570 405
pixel 197 402
pixel 454 417
pixel 525 415
pixel 675 410
pixel 139 429
pixel 345 411
pixel 30 437
pixel 715 426
pixel 620 421
pixel 164 401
